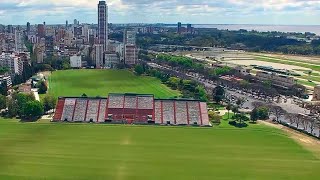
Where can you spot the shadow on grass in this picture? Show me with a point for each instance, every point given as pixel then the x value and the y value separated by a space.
pixel 238 125
pixel 29 120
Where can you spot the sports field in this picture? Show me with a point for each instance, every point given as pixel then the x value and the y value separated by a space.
pixel 102 82
pixel 88 151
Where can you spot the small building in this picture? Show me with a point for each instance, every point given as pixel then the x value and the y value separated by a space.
pixel 278 80
pixel 130 54
pixel 75 61
pixel 25 88
pixel 6 79
pixel 111 59
pixel 316 93
pixel 243 70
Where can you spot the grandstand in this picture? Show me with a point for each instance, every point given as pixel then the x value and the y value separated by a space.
pixel 132 109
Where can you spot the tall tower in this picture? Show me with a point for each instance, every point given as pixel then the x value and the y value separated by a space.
pixel 103 24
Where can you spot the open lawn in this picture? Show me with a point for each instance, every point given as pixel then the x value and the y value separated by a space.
pixel 307 83
pixel 89 151
pixel 103 82
pixel 312 66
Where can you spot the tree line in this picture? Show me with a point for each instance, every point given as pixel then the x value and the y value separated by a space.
pixel 188 88
pixel 243 39
pixel 25 107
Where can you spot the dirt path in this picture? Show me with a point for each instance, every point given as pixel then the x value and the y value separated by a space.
pixel 308 142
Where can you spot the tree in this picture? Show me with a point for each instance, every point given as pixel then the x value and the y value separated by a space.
pixel 313 124
pixel 3 102
pixel 20 100
pixel 278 112
pixel 12 108
pixel 235 109
pixel 49 102
pixel 214 117
pixel 4 88
pixel 139 69
pixel 240 101
pixel 254 115
pixel 257 104
pixel 33 110
pixel 42 86
pixel 298 120
pixel 291 117
pixel 241 117
pixel 229 108
pixel 219 94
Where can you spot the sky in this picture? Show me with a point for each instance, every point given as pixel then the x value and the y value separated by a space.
pixel 282 12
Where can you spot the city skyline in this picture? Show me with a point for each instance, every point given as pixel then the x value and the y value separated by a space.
pixel 286 12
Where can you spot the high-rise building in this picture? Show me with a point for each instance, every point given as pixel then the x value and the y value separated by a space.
pixel 67 24
pixel 103 24
pixel 130 54
pixel 111 59
pixel 41 30
pixel 10 29
pixel 98 48
pixel 189 28
pixel 75 61
pixel 28 27
pixel 18 38
pixel 130 49
pixel 129 37
pixel 12 62
pixel 75 22
pixel 179 30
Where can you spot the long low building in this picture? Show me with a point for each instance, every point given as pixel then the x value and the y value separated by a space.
pixel 132 109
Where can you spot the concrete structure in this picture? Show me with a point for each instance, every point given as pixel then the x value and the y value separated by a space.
pixel 179 29
pixel 41 30
pixel 130 54
pixel 276 79
pixel 98 55
pixel 28 27
pixel 129 37
pixel 12 62
pixel 243 70
pixel 132 109
pixel 19 45
pixel 111 59
pixel 130 49
pixel 6 79
pixel 75 61
pixel 316 93
pixel 103 24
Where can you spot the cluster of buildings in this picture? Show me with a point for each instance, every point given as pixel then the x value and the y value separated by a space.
pixel 13 53
pixel 85 42
pixel 185 30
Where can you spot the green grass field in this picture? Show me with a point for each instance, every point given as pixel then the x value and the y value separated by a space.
pixel 103 82
pixel 312 66
pixel 307 83
pixel 87 151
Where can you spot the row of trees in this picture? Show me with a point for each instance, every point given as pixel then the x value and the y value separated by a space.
pixel 264 111
pixel 250 40
pixel 189 88
pixel 25 106
pixel 187 64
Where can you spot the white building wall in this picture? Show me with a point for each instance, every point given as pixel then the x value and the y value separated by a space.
pixel 75 61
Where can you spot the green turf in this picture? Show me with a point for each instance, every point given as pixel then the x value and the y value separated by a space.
pixel 103 82
pixel 87 151
pixel 307 83
pixel 288 62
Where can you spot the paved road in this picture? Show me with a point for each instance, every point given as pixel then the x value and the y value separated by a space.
pixel 290 106
pixel 36 94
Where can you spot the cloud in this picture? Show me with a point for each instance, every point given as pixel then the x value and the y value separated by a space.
pixel 168 11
